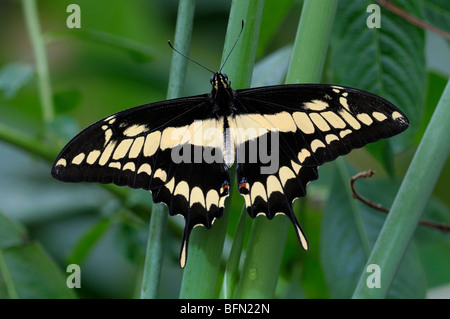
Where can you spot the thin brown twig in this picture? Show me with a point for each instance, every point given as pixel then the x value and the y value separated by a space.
pixel 439 226
pixel 413 19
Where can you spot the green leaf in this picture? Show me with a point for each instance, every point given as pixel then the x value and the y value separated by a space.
pixel 388 61
pixel 88 241
pixel 26 269
pixel 13 77
pixel 272 69
pixel 274 13
pixel 138 51
pixel 349 230
pixel 11 233
pixel 66 101
pixel 437 13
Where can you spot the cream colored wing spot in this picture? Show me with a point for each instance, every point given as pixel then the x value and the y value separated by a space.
pixel 197 197
pixel 364 118
pixel 344 133
pixel 136 147
pixel 337 87
pixel 258 190
pixel 109 118
pixel 130 166
pixel 222 201
pixel 122 149
pixel 345 94
pixel 173 136
pixel 77 160
pixel 333 119
pixel 115 165
pixel 183 255
pixel 182 188
pixel 152 142
pixel 295 167
pixel 330 138
pixel 104 127
pixel 303 122
pixel 161 174
pixel 285 174
pixel 319 122
pixel 92 157
pixel 145 168
pixel 380 117
pixel 111 121
pixel 170 185
pixel 302 237
pixel 273 185
pixel 396 115
pixel 281 121
pixel 344 103
pixel 206 132
pixel 107 153
pixel 248 201
pixel 303 154
pixel 61 162
pixel 135 130
pixel 108 135
pixel 316 105
pixel 212 198
pixel 350 119
pixel 247 121
pixel 241 132
pixel 210 133
pixel 315 144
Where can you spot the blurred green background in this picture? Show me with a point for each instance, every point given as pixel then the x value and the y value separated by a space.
pixel 120 59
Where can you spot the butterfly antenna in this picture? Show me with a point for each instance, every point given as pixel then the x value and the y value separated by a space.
pixel 170 44
pixel 235 42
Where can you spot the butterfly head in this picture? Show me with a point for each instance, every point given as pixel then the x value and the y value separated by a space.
pixel 220 81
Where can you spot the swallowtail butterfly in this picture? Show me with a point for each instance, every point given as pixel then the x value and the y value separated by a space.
pixel 181 149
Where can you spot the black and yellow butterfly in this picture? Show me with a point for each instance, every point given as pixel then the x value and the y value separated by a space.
pixel 181 149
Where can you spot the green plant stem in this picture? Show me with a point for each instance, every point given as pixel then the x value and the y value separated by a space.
pixel 158 221
pixel 200 277
pixel 29 144
pixel 231 275
pixel 311 41
pixel 268 238
pixel 410 201
pixel 7 278
pixel 40 55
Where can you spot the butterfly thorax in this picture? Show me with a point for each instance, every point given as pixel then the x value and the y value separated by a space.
pixel 221 94
pixel 222 97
